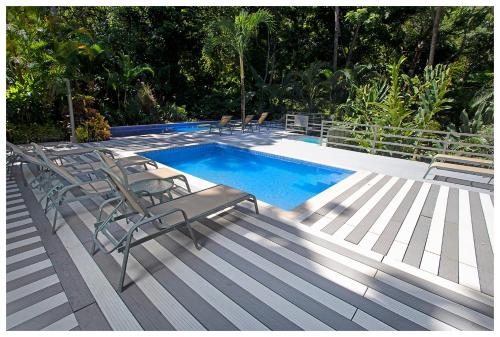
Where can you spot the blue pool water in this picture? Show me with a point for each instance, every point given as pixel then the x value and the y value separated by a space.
pixel 279 181
pixel 184 128
pixel 307 139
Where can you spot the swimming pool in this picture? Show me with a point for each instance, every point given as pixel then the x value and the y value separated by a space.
pixel 186 128
pixel 279 181
pixel 309 139
pixel 123 131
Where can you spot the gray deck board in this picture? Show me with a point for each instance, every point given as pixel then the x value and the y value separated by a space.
pixel 348 212
pixel 33 298
pixel 46 318
pixel 22 281
pixel 364 226
pixel 435 311
pixel 371 308
pixel 26 262
pixel 230 288
pixel 411 279
pixel 302 301
pixel 318 214
pixel 484 252
pixel 385 240
pixel 91 318
pixel 146 314
pixel 448 267
pixel 415 251
pixel 204 312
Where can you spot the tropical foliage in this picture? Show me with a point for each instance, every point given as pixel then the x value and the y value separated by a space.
pixel 422 67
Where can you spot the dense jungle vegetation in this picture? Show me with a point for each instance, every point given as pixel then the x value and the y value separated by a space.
pixel 423 67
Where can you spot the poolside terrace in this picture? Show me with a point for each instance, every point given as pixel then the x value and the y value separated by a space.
pixel 382 250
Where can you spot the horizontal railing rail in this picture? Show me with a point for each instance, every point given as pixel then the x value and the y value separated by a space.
pixel 419 144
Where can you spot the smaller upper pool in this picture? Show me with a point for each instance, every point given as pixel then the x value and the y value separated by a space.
pixel 186 128
pixel 309 139
pixel 280 181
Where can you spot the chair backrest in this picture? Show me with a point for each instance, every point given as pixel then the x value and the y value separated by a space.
pixel 27 157
pixel 127 195
pixel 59 170
pixel 114 166
pixel 248 119
pixel 225 119
pixel 262 117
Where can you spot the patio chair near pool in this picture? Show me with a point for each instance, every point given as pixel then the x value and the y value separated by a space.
pixel 62 187
pixel 247 123
pixel 173 214
pixel 151 183
pixel 224 123
pixel 261 121
pixel 124 161
pixel 18 155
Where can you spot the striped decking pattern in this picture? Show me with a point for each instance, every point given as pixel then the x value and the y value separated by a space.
pixel 257 273
pixel 35 298
pixel 444 231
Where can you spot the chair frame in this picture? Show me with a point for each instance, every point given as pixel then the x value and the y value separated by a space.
pixel 220 125
pixel 125 243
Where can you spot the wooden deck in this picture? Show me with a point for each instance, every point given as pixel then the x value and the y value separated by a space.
pixel 385 253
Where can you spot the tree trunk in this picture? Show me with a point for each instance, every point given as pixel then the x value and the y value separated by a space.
pixel 336 35
pixel 353 45
pixel 435 31
pixel 242 87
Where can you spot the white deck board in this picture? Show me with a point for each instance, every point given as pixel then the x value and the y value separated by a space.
pixel 175 313
pixel 343 231
pixel 489 216
pixel 330 216
pixel 385 217
pixel 405 232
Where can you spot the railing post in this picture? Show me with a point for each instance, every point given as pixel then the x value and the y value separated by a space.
pixel 374 150
pixel 446 143
pixel 321 134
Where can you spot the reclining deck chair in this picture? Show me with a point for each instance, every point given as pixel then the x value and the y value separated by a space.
pixel 18 155
pixel 225 122
pixel 124 161
pixel 178 212
pixel 63 188
pixel 129 180
pixel 261 121
pixel 247 123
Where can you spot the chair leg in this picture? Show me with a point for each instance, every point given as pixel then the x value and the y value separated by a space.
pixel 191 233
pixel 124 264
pixel 94 246
pixel 187 184
pixel 255 204
pixel 55 220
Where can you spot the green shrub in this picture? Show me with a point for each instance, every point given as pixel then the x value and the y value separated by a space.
pixel 38 133
pixel 173 113
pixel 82 134
pixel 95 128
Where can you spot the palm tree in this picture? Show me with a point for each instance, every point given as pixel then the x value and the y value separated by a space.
pixel 234 36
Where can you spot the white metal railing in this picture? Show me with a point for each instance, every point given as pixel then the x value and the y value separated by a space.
pixel 418 144
pixel 313 127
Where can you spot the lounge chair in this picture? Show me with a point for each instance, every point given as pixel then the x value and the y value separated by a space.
pixel 18 155
pixel 178 212
pixel 247 123
pixel 60 154
pixel 462 160
pixel 68 187
pixel 261 121
pixel 131 181
pixel 124 161
pixel 481 171
pixel 225 122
